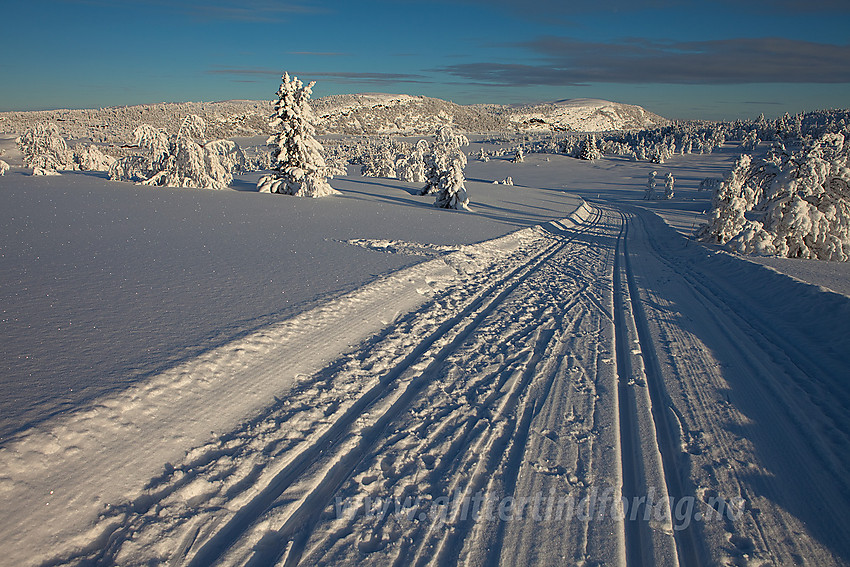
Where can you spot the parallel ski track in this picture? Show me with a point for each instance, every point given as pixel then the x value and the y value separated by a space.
pixel 801 367
pixel 637 530
pixel 809 374
pixel 489 445
pixel 291 538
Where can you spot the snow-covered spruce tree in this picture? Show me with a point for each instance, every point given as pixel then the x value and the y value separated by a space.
pixel 444 170
pixel 589 150
pixel 44 149
pixel 519 155
pixel 798 203
pixel 668 186
pixel 750 141
pixel 733 198
pixel 300 169
pixel 380 160
pixel 651 182
pixel 411 167
pixel 4 167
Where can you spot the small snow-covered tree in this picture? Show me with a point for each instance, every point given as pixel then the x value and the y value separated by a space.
pixel 90 158
pixel 380 161
pixel 444 170
pixel 222 158
pixel 4 167
pixel 668 186
pixel 750 141
pixel 182 160
pixel 737 194
pixel 43 148
pixel 133 168
pixel 155 140
pixel 300 169
pixel 184 165
pixel 589 150
pixel 519 155
pixel 193 164
pixel 730 201
pixel 709 184
pixel 411 167
pixel 651 182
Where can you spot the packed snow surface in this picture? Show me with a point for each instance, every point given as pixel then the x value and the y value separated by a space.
pixel 197 377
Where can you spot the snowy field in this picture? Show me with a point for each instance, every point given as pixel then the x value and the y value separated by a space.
pixel 195 377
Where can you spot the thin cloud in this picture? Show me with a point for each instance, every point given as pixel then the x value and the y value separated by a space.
pixel 267 11
pixel 339 77
pixel 556 8
pixel 380 78
pixel 564 62
pixel 319 53
pixel 243 71
pixel 258 11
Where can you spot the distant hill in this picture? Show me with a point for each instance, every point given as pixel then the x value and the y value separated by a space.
pixel 583 115
pixel 368 113
pixel 405 114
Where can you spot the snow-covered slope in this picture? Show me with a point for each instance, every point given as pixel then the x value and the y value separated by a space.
pixel 404 114
pixel 369 113
pixel 398 114
pixel 582 115
pixel 116 124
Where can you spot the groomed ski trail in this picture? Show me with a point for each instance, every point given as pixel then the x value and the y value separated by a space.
pixel 597 390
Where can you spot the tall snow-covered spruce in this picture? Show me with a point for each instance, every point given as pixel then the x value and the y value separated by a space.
pixel 444 170
pixel 300 169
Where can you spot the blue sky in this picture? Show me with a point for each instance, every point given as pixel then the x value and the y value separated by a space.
pixel 714 59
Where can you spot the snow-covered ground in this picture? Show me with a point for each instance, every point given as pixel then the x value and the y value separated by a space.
pixel 201 377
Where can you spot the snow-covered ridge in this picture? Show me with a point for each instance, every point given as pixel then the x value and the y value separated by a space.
pixel 403 114
pixel 375 113
pixel 367 113
pixel 583 115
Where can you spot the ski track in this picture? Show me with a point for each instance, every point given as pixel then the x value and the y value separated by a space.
pixel 759 413
pixel 581 357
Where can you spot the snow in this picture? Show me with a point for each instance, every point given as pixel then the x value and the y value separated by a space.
pixel 583 115
pixel 195 376
pixel 189 269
